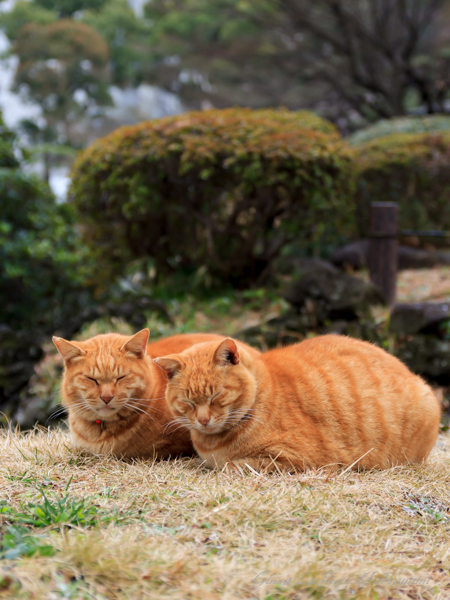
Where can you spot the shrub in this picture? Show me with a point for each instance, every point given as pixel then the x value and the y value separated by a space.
pixel 40 263
pixel 411 169
pixel 7 139
pixel 428 124
pixel 42 273
pixel 218 192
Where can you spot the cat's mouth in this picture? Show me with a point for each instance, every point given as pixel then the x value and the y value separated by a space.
pixel 107 410
pixel 209 429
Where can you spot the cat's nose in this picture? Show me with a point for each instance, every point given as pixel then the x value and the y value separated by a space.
pixel 204 420
pixel 106 399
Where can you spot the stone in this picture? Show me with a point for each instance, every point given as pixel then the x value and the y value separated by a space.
pixel 330 294
pixel 428 356
pixel 352 255
pixel 415 258
pixel 279 331
pixel 408 319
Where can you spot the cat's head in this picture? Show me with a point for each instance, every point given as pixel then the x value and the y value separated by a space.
pixel 105 375
pixel 209 389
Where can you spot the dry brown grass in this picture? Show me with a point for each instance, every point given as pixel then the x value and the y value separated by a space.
pixel 194 534
pixel 185 533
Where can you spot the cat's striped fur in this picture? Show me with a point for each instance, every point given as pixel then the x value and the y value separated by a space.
pixel 327 400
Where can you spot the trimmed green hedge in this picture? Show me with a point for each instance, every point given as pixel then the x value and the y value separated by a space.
pixel 411 169
pixel 426 124
pixel 218 193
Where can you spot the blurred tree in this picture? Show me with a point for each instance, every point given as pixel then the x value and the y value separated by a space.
pixel 63 68
pixel 376 55
pixel 375 58
pixel 42 144
pixel 221 51
pixel 66 8
pixel 129 40
pixel 22 13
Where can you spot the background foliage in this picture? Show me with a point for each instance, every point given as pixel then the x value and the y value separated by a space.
pixel 43 268
pixel 355 61
pixel 412 169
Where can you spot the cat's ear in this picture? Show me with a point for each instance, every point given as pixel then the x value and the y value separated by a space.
pixel 227 353
pixel 137 344
pixel 68 351
pixel 170 366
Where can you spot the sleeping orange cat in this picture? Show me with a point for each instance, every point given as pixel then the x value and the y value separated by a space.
pixel 328 400
pixel 115 394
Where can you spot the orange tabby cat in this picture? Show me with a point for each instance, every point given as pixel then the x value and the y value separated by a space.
pixel 115 394
pixel 327 400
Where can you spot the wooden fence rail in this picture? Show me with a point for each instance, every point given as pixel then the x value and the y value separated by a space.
pixel 383 246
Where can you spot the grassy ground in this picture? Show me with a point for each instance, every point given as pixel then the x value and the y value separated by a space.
pixel 78 526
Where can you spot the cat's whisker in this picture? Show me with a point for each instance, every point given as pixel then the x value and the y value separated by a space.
pixel 139 411
pixel 76 407
pixel 79 411
pixel 56 414
pixel 180 421
pixel 142 404
pixel 131 406
pixel 174 422
pixel 135 402
pixel 135 408
pixel 172 431
pixel 155 409
pixel 148 399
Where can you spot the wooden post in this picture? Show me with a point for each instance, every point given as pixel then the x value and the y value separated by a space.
pixel 383 247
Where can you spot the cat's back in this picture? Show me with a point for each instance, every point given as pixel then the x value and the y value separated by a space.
pixel 354 396
pixel 177 343
pixel 332 352
pixel 183 341
pixel 329 365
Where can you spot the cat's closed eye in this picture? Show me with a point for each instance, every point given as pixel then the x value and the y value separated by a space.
pixel 119 378
pixel 213 397
pixel 189 403
pixel 92 379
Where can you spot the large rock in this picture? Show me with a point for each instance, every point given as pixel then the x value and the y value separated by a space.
pixel 293 327
pixel 354 255
pixel 409 319
pixel 428 356
pixel 324 300
pixel 331 294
